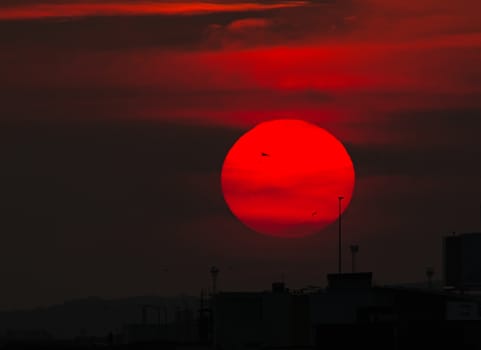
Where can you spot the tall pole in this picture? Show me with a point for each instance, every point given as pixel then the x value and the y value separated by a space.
pixel 340 250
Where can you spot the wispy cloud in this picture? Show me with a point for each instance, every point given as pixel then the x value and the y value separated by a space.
pixel 78 9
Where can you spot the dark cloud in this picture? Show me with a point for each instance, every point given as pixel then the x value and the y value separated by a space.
pixel 179 31
pixel 382 160
pixel 77 104
pixel 433 142
pixel 314 22
pixel 112 32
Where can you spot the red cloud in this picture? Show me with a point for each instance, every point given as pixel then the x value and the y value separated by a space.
pixel 249 23
pixel 49 10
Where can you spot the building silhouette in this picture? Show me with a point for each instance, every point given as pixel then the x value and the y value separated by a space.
pixel 349 312
pixel 462 261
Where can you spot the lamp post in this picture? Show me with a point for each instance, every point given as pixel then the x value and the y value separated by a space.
pixel 340 250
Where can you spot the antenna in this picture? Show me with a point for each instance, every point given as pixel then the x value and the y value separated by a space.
pixel 214 272
pixel 354 251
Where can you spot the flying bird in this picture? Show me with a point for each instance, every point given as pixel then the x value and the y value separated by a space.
pixel 264 154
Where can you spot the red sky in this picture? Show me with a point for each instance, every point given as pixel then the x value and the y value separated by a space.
pixel 358 62
pixel 398 82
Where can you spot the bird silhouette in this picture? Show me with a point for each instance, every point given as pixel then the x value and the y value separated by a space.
pixel 263 154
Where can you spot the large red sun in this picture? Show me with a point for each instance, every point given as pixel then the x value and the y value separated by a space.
pixel 284 178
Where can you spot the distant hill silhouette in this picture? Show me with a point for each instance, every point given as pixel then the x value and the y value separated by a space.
pixel 93 316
